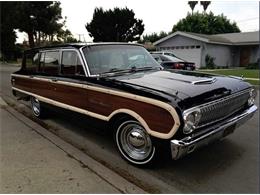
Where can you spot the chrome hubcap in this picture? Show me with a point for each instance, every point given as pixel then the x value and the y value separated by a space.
pixel 35 106
pixel 135 142
pixel 136 139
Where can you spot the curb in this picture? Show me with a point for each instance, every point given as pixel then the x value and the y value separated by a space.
pixel 10 64
pixel 100 170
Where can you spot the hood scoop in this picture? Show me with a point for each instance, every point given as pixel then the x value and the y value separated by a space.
pixel 204 81
pixel 196 82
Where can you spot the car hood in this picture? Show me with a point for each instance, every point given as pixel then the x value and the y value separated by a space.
pixel 185 84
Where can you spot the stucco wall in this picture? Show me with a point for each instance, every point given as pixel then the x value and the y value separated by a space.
pixel 254 54
pixel 221 53
pixel 187 48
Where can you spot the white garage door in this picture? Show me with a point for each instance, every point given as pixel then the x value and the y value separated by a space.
pixel 190 54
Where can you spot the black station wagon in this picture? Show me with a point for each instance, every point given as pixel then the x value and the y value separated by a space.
pixel 122 84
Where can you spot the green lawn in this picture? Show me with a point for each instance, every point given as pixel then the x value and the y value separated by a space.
pixel 236 72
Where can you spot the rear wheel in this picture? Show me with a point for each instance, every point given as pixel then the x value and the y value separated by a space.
pixel 134 143
pixel 37 109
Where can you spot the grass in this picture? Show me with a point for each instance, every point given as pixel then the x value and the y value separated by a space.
pixel 247 73
pixel 253 82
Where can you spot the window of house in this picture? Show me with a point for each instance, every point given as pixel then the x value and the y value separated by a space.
pixel 51 62
pixel 198 46
pixel 71 64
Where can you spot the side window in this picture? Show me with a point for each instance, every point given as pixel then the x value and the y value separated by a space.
pixel 51 62
pixel 71 64
pixel 41 61
pixel 157 58
pixel 32 62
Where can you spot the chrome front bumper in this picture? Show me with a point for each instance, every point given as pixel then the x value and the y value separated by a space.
pixel 180 148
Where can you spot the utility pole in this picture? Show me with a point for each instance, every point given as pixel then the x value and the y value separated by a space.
pixel 79 35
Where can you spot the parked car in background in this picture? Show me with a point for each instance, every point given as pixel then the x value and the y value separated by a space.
pixel 170 61
pixel 143 105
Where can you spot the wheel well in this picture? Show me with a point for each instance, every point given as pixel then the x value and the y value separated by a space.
pixel 119 116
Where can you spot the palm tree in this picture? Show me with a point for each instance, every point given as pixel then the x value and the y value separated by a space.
pixel 192 5
pixel 205 4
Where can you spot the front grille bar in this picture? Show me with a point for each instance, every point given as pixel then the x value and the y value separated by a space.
pixel 220 109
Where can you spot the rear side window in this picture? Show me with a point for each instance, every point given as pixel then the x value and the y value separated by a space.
pixel 51 62
pixel 71 64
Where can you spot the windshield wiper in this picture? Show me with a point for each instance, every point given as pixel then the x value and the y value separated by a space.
pixel 113 71
pixel 146 68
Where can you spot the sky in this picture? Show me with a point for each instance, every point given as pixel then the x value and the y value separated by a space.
pixel 157 16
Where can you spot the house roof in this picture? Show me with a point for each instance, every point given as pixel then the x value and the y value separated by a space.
pixel 244 38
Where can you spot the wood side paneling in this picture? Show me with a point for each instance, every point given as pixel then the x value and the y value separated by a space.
pixel 156 117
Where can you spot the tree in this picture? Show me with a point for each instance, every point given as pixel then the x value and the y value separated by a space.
pixel 115 25
pixel 7 35
pixel 192 5
pixel 205 4
pixel 206 24
pixel 40 20
pixel 153 37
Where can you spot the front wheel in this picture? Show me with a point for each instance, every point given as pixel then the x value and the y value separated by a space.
pixel 134 143
pixel 37 109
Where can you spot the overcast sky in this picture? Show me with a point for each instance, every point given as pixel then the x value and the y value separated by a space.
pixel 159 15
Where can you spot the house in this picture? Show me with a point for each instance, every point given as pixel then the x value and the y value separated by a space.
pixel 231 49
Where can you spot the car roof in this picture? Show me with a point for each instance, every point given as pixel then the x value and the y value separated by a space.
pixel 80 45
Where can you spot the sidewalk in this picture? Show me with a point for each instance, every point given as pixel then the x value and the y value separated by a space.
pixel 33 160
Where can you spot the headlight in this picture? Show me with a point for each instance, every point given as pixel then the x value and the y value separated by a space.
pixel 252 96
pixel 191 120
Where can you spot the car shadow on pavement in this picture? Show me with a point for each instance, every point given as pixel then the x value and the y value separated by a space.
pixel 95 138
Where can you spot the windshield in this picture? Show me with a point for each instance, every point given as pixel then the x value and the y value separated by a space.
pixel 111 58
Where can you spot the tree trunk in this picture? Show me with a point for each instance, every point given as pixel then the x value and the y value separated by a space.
pixel 31 40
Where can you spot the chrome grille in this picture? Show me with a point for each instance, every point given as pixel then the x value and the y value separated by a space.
pixel 222 108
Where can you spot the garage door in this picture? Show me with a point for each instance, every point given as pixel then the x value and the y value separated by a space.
pixel 190 54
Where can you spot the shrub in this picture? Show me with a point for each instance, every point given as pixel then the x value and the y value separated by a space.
pixel 209 61
pixel 253 66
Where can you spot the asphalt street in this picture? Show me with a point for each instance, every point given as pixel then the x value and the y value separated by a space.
pixel 227 166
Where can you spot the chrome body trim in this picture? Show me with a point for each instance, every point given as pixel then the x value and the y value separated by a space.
pixel 79 55
pixel 85 61
pixel 180 148
pixel 60 50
